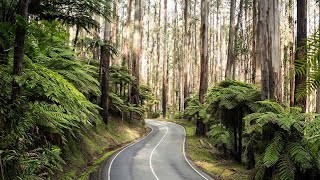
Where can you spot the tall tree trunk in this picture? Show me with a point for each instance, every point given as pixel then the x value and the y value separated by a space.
pixel 213 51
pixel 218 40
pixel 186 63
pixel 255 65
pixel 114 27
pixel 148 46
pixel 175 54
pixel 301 48
pixel 96 49
pixel 269 49
pixel 201 126
pixel 236 35
pixel 318 90
pixel 105 64
pixel 231 56
pixel 158 54
pixel 126 37
pixel 165 64
pixel 136 55
pixel 292 54
pixel 19 48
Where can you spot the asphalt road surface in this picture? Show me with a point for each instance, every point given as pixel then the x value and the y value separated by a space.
pixel 158 156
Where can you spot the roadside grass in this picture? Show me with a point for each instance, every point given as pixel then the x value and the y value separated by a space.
pixel 85 155
pixel 207 159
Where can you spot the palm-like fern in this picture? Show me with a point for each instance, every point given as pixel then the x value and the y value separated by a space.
pixel 286 151
pixel 228 103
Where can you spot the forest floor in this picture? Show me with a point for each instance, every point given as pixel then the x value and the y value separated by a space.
pixel 206 157
pixel 98 143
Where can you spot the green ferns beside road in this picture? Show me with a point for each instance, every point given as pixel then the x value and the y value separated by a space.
pixel 284 132
pixel 277 141
pixel 53 107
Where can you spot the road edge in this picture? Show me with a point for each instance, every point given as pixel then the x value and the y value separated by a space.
pixel 117 151
pixel 189 160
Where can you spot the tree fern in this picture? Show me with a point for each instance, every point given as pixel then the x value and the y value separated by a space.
pixel 286 146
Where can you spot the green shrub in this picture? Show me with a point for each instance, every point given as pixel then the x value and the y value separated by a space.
pixel 285 142
pixel 227 103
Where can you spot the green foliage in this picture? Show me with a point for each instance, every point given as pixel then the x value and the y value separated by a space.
pixel 285 141
pixel 310 67
pixel 286 149
pixel 155 115
pixel 228 99
pixel 119 74
pixel 52 104
pixel 229 95
pixel 195 109
pixel 221 138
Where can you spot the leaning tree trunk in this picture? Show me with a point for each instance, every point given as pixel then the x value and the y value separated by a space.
pixel 105 64
pixel 201 126
pixel 19 48
pixel 301 49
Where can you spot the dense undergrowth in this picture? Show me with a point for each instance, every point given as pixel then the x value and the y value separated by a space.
pixel 58 104
pixel 275 140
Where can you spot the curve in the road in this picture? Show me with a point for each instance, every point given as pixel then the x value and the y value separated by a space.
pixel 109 169
pixel 150 160
pixel 162 146
pixel 185 157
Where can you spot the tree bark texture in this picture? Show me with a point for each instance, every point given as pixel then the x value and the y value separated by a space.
pixel 268 43
pixel 105 65
pixel 19 48
pixel 301 50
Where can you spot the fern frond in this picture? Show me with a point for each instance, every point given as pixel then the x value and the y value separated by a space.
pixel 272 153
pixel 286 168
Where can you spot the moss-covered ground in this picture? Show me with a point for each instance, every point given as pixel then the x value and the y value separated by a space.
pixel 87 153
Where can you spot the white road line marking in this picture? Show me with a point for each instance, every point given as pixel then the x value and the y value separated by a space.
pixel 184 153
pixel 109 170
pixel 150 160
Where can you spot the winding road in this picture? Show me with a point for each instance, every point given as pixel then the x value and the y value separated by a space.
pixel 158 156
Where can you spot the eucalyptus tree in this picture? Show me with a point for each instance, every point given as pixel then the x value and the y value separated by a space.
pixel 232 32
pixel 268 43
pixel 105 66
pixel 136 54
pixel 301 50
pixel 186 62
pixel 165 69
pixel 201 126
